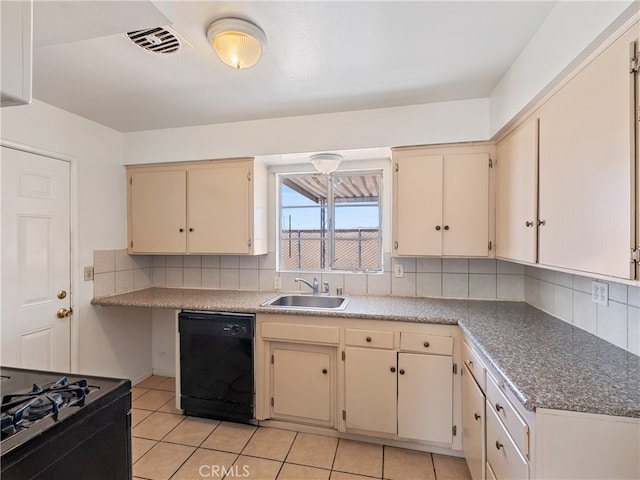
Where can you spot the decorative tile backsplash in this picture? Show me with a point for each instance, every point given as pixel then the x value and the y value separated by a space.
pixel 568 297
pixel 563 295
pixel 117 272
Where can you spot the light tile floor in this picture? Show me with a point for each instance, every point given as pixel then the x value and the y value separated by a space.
pixel 168 445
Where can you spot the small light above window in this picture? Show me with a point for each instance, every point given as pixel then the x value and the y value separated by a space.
pixel 326 162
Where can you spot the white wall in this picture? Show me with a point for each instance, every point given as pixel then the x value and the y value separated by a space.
pixel 386 127
pixel 105 341
pixel 569 34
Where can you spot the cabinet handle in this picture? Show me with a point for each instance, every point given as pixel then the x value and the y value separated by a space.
pixel 446 227
pixel 395 244
pixel 498 407
pixel 393 369
pixel 368 339
pixel 324 370
pixel 528 223
pixel 426 344
pixel 181 230
pixel 498 444
pixel 476 416
pixel 438 227
pixel 401 372
pixel 542 222
pixel 191 229
pixel 470 363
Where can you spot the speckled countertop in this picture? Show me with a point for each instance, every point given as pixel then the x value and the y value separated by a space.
pixel 546 362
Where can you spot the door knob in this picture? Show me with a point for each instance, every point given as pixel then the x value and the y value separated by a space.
pixel 63 312
pixel 62 294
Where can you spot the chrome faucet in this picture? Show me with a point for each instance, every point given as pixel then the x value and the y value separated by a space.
pixel 313 287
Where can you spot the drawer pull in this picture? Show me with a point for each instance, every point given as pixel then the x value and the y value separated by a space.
pixel 368 339
pixel 498 444
pixel 499 407
pixel 426 344
pixel 476 416
pixel 324 370
pixel 393 369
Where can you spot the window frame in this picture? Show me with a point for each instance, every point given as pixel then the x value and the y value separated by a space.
pixel 331 205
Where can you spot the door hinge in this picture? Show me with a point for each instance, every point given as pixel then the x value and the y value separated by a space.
pixel 490 162
pixel 344 414
pixel 272 402
pixel 455 368
pixel 343 355
pixel 635 255
pixel 454 430
pixel 272 360
pixel 634 60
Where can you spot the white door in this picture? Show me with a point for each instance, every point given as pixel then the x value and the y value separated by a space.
pixel 36 261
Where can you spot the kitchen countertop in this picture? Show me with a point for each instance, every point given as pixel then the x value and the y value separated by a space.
pixel 546 362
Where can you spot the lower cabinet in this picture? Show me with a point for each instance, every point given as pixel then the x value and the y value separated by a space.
pixel 303 379
pixel 401 393
pixel 473 425
pixel 372 378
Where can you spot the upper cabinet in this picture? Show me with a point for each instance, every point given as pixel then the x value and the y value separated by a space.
pixel 441 201
pixel 517 194
pixel 16 44
pixel 216 207
pixel 565 177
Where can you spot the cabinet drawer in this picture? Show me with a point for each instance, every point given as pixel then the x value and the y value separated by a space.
pixel 301 333
pixel 476 366
pixel 424 343
pixel 513 422
pixel 369 338
pixel 503 457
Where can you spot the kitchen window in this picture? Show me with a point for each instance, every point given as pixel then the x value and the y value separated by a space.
pixel 331 222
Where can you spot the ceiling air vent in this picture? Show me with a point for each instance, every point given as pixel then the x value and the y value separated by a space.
pixel 160 40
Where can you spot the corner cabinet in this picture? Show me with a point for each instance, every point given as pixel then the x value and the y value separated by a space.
pixel 442 201
pixel 213 207
pixel 567 176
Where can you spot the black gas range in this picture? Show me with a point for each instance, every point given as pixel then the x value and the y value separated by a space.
pixel 56 425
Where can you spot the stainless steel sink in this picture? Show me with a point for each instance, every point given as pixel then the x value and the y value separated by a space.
pixel 303 301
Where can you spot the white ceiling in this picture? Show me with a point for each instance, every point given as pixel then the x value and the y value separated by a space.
pixel 322 57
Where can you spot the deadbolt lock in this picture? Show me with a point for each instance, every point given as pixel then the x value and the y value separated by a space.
pixel 62 294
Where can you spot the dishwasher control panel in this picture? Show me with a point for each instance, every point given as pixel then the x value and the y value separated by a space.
pixel 233 329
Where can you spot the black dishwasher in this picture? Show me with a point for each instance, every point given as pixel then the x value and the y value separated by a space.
pixel 216 365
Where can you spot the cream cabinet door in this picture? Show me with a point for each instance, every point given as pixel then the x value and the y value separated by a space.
pixel 220 204
pixel 158 212
pixel 425 397
pixel 473 425
pixel 417 207
pixel 465 205
pixel 371 389
pixel 517 194
pixel 586 162
pixel 302 383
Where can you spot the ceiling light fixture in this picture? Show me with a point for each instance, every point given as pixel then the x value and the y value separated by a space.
pixel 326 162
pixel 237 42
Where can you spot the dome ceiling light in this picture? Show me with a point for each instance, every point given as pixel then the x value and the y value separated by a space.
pixel 239 43
pixel 326 162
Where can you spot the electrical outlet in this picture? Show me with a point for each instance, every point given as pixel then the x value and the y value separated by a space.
pixel 277 283
pixel 398 270
pixel 600 292
pixel 88 274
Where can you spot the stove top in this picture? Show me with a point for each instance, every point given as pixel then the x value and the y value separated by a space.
pixel 35 401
